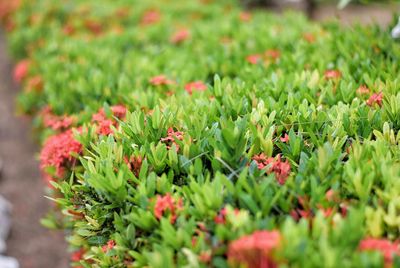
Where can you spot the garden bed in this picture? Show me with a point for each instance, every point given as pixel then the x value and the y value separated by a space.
pixel 193 135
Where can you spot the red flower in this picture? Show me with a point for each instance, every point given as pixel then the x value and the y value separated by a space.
pixel 180 36
pixel 255 250
pixel 57 150
pixel 104 124
pixel 309 37
pixel 35 84
pixel 151 17
pixel 160 80
pixel 363 90
pixel 195 86
pixel 332 74
pixel 376 98
pixel 68 29
pixel 134 164
pixel 94 27
pixel 171 138
pixel 285 138
pixel 165 203
pixel 281 169
pixel 254 59
pixel 245 16
pixel 109 246
pixel 55 122
pixel 273 54
pixel 21 70
pixel 387 248
pixel 78 255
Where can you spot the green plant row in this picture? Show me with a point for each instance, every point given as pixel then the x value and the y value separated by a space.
pixel 194 134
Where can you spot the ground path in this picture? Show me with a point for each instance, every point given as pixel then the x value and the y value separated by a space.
pixel 30 243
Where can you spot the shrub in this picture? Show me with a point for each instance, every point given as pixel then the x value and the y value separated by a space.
pixel 194 135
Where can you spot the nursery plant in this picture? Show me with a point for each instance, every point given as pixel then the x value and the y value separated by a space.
pixel 194 134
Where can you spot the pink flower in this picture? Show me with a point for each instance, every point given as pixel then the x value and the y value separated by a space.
pixel 195 86
pixel 254 59
pixel 376 98
pixel 56 122
pixel 21 70
pixel 151 17
pixel 387 248
pixel 332 74
pixel 273 54
pixel 171 138
pixel 57 152
pixel 281 169
pixel 104 124
pixel 180 36
pixel 167 203
pixel 285 138
pixel 245 16
pixel 363 90
pixel 160 80
pixel 109 246
pixel 78 255
pixel 255 250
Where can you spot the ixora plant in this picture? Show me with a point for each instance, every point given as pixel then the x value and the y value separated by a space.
pixel 193 134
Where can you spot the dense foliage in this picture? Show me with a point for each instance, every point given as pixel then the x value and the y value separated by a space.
pixel 194 134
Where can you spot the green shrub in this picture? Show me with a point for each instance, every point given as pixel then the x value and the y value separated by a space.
pixel 191 134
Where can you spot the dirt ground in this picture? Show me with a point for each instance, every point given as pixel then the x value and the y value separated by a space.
pixel 30 243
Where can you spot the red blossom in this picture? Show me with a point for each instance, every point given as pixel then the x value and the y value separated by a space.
pixel 109 246
pixel 205 257
pixel 273 54
pixel 285 138
pixel 104 124
pixel 167 203
pixel 134 163
pixel 151 17
pixel 21 70
pixel 245 16
pixel 160 80
pixel 78 255
pixel 387 248
pixel 375 98
pixel 332 74
pixel 171 138
pixel 180 36
pixel 94 27
pixel 57 152
pixel 255 250
pixel 254 59
pixel 363 90
pixel 56 122
pixel 195 86
pixel 309 37
pixel 281 169
pixel 35 83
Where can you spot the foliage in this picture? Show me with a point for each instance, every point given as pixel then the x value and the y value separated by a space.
pixel 204 136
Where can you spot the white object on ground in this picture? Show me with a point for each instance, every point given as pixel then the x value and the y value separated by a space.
pixel 5 223
pixel 8 262
pixel 396 31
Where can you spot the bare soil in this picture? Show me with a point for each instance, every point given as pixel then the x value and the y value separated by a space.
pixel 21 183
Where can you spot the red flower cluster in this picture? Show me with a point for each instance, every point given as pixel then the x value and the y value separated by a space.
pixel 332 74
pixel 387 248
pixel 165 203
pixel 161 80
pixel 134 164
pixel 245 16
pixel 271 55
pixel 21 70
pixel 376 98
pixel 57 150
pixel 363 90
pixel 281 169
pixel 180 36
pixel 109 246
pixel 78 255
pixel 171 138
pixel 35 83
pixel 151 17
pixel 56 122
pixel 255 250
pixel 195 86
pixel 104 124
pixel 221 217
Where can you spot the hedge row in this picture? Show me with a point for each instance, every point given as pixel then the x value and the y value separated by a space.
pixel 194 134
